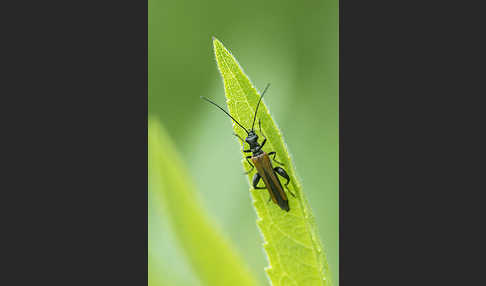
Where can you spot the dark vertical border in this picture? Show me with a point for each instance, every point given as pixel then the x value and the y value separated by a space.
pixel 75 187
pixel 408 127
pixel 377 185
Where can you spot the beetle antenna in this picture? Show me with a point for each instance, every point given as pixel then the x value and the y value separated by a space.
pixel 258 104
pixel 208 100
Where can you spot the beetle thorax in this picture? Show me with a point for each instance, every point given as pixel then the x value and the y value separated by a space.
pixel 252 140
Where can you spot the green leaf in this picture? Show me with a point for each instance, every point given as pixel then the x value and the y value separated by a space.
pixel 290 238
pixel 210 255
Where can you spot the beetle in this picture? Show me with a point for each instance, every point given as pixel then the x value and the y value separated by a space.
pixel 261 161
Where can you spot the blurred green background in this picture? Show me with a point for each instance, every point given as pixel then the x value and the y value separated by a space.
pixel 291 44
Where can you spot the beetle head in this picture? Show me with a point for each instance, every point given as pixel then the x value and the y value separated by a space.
pixel 252 139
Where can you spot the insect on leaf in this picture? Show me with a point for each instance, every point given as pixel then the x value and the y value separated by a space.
pixel 291 241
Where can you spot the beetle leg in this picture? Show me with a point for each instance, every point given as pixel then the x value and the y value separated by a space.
pixel 256 179
pixel 275 154
pixel 263 143
pixel 260 125
pixel 243 142
pixel 264 137
pixel 252 167
pixel 284 174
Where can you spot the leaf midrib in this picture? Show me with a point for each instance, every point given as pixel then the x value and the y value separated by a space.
pixel 314 247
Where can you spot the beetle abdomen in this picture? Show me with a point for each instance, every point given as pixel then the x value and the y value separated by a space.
pixel 265 170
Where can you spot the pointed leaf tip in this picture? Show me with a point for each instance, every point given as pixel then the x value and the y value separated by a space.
pixel 290 239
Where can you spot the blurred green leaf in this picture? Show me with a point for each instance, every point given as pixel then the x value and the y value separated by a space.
pixel 291 242
pixel 154 274
pixel 211 256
